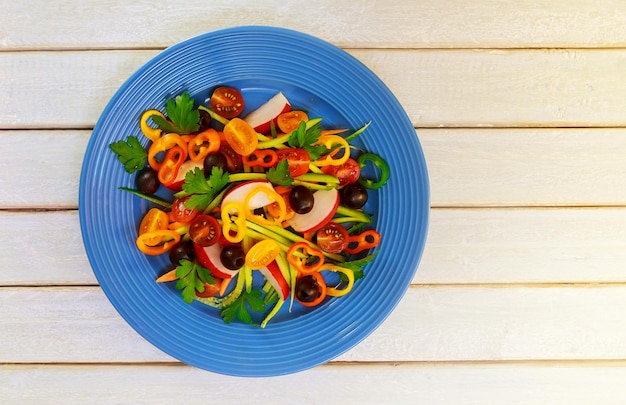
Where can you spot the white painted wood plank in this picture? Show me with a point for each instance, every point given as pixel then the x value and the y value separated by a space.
pixel 362 23
pixel 529 167
pixel 467 167
pixel 430 324
pixel 464 246
pixel 341 384
pixel 466 88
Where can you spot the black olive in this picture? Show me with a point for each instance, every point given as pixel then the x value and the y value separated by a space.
pixel 307 289
pixel 354 195
pixel 205 120
pixel 232 257
pixel 147 180
pixel 215 159
pixel 301 199
pixel 182 250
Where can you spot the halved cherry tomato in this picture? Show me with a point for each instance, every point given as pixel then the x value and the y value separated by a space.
pixel 227 102
pixel 166 240
pixel 297 159
pixel 233 159
pixel 241 136
pixel 262 253
pixel 154 220
pixel 204 230
pixel 332 238
pixel 289 121
pixel 347 172
pixel 262 158
pixel 180 213
pixel 201 145
pixel 310 289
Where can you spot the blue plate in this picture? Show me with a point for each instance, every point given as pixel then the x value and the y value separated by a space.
pixel 315 76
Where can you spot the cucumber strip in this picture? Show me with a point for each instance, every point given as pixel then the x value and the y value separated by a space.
pixel 214 115
pixel 272 313
pixel 154 199
pixel 223 302
pixel 235 177
pixel 355 215
pixel 358 132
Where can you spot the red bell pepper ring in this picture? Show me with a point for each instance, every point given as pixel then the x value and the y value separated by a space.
pixel 365 240
pixel 304 258
pixel 174 158
pixel 204 143
pixel 261 157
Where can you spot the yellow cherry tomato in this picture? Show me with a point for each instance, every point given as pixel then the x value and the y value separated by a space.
pixel 262 253
pixel 241 136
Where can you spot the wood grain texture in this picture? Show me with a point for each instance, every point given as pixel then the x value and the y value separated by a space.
pixel 437 88
pixel 543 246
pixel 404 23
pixel 447 323
pixel 553 383
pixel 466 167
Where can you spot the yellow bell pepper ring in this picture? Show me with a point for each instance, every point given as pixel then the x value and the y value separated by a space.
pixel 335 144
pixel 238 224
pixel 149 132
pixel 272 196
pixel 334 292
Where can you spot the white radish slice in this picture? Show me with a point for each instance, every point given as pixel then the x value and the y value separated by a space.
pixel 186 167
pixel 277 280
pixel 260 118
pixel 209 257
pixel 240 192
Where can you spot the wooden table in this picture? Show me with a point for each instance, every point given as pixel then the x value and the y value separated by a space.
pixel 521 293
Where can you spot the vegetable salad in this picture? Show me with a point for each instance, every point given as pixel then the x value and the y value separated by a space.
pixel 273 192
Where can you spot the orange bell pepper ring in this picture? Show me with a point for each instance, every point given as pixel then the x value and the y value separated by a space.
pixel 233 219
pixel 335 144
pixel 274 197
pixel 304 258
pixel 162 144
pixel 174 159
pixel 365 240
pixel 261 157
pixel 150 132
pixel 166 240
pixel 204 143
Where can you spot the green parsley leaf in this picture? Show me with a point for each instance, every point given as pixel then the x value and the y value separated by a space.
pixel 201 189
pixel 191 277
pixel 239 308
pixel 304 138
pixel 280 175
pixel 183 115
pixel 131 153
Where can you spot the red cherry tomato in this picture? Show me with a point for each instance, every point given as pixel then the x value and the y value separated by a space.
pixel 227 102
pixel 182 214
pixel 332 238
pixel 347 172
pixel 204 230
pixel 233 159
pixel 298 160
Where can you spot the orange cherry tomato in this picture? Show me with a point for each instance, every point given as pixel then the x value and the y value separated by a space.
pixel 289 121
pixel 227 102
pixel 166 240
pixel 262 253
pixel 241 136
pixel 154 220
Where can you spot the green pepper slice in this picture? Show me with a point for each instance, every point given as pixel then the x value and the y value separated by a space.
pixel 380 163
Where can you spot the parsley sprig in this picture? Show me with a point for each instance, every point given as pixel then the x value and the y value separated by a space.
pixel 131 153
pixel 241 307
pixel 202 190
pixel 306 138
pixel 192 277
pixel 356 266
pixel 183 115
pixel 280 175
